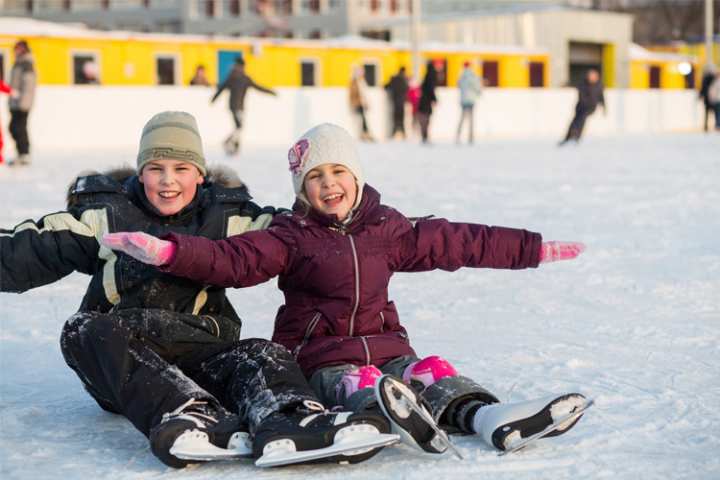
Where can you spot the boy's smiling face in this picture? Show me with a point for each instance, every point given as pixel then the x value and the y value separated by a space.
pixel 170 185
pixel 331 189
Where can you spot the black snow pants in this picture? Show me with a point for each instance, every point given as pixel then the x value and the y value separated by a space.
pixel 143 363
pixel 18 131
pixel 578 123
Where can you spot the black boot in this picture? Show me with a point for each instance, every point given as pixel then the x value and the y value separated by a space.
pixel 197 432
pixel 321 435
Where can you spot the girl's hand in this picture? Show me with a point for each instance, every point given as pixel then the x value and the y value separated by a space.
pixel 554 251
pixel 144 247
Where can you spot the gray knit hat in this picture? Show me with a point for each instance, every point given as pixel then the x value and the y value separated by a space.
pixel 326 143
pixel 171 135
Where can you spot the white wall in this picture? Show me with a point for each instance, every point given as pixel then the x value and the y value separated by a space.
pixel 81 118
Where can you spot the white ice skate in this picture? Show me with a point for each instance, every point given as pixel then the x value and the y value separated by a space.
pixel 510 427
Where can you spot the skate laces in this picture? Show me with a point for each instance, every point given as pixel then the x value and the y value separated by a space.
pixel 196 416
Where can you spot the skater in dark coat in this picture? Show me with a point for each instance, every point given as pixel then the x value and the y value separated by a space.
pixel 397 89
pixel 704 94
pixel 237 82
pixel 163 351
pixel 335 255
pixel 427 101
pixel 590 95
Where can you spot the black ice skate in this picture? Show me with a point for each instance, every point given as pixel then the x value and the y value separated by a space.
pixel 510 427
pixel 195 433
pixel 315 435
pixel 410 417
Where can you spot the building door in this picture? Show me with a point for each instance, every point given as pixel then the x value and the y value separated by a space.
pixel 583 57
pixel 226 60
pixel 490 71
pixel 654 76
pixel 537 74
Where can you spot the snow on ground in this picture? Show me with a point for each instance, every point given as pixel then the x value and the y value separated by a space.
pixel 634 323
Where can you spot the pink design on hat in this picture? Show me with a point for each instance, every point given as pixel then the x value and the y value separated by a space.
pixel 297 155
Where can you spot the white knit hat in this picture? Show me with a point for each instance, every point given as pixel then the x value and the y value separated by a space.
pixel 326 143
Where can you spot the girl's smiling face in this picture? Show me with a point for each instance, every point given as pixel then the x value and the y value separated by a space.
pixel 170 185
pixel 331 189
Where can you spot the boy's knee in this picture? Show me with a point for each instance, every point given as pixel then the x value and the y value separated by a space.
pixel 260 346
pixel 78 326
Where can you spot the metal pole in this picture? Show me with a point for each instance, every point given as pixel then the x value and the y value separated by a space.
pixel 415 38
pixel 709 33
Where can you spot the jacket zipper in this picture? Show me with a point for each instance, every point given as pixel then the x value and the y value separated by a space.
pixel 308 331
pixel 367 350
pixel 357 286
pixel 382 325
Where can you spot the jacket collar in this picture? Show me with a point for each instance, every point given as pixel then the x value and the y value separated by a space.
pixel 365 213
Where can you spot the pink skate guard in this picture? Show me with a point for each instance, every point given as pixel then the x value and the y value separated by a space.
pixel 429 370
pixel 357 379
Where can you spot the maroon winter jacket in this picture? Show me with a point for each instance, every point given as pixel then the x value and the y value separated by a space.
pixel 335 278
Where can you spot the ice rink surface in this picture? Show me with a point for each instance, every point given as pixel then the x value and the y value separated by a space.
pixel 633 323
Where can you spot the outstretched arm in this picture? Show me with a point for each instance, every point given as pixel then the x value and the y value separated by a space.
pixel 239 261
pixel 439 244
pixel 220 88
pixel 38 253
pixel 261 88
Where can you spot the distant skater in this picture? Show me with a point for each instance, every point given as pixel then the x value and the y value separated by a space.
pixel 23 80
pixel 397 89
pixel 590 95
pixel 359 102
pixel 470 89
pixel 238 83
pixel 427 101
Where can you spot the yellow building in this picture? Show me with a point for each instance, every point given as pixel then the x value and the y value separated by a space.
pixel 65 54
pixel 652 69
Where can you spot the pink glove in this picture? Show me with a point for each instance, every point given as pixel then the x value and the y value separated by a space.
pixel 139 245
pixel 554 251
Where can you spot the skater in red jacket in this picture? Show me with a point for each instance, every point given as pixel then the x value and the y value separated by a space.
pixel 335 254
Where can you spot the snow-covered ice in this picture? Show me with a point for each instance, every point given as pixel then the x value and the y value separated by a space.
pixel 634 323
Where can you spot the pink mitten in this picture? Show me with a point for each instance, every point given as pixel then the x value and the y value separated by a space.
pixel 139 245
pixel 554 251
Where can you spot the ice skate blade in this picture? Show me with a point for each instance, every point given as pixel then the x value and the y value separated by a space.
pixel 559 423
pixel 403 399
pixel 194 445
pixel 349 441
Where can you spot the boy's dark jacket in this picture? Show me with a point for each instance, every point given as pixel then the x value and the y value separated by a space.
pixel 335 279
pixel 38 253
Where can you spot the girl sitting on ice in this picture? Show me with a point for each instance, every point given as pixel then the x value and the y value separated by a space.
pixel 335 254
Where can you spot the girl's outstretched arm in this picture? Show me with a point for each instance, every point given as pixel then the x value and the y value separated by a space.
pixel 440 244
pixel 238 261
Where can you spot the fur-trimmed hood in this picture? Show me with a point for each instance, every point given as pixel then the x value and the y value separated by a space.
pixel 218 175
